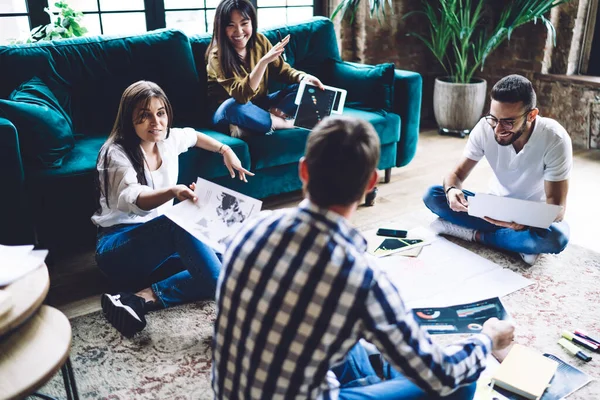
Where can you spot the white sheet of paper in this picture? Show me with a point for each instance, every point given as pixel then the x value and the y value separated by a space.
pixel 218 213
pixel 445 274
pixel 18 262
pixel 524 212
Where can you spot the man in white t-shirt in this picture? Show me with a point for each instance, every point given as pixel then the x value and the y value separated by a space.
pixel 531 157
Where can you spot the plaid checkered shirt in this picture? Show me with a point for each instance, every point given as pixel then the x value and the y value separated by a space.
pixel 297 292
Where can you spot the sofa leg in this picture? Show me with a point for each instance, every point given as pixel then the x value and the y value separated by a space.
pixel 388 175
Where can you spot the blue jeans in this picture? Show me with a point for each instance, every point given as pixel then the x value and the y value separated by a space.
pixel 129 253
pixel 359 381
pixel 528 241
pixel 254 116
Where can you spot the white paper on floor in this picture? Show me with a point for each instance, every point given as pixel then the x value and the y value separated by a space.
pixel 446 274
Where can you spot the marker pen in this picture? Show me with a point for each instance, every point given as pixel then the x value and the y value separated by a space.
pixel 584 335
pixel 577 340
pixel 571 348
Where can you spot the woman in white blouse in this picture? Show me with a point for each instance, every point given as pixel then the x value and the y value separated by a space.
pixel 137 176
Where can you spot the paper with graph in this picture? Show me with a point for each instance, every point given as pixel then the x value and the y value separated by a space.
pixel 216 215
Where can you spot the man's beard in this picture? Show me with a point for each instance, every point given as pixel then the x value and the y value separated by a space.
pixel 512 138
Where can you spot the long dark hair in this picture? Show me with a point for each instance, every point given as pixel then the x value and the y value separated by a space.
pixel 229 58
pixel 123 131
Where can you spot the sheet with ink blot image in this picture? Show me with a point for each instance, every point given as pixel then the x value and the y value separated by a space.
pixel 464 318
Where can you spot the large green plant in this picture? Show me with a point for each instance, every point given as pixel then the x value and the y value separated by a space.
pixel 65 24
pixel 461 35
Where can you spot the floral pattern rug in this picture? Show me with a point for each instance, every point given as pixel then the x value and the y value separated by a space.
pixel 171 358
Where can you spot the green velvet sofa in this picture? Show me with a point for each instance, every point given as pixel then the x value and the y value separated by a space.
pixel 50 202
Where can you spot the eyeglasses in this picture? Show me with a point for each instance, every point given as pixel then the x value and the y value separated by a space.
pixel 505 123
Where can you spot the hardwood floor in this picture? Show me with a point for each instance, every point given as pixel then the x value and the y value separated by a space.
pixel 435 156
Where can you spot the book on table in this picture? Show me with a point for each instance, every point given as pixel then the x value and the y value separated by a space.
pixel 525 372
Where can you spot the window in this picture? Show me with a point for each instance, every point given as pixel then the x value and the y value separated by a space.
pixel 14 20
pixel 112 17
pixel 279 12
pixel 116 17
pixel 196 16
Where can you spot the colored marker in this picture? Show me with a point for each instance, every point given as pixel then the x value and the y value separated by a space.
pixel 584 335
pixel 577 340
pixel 571 348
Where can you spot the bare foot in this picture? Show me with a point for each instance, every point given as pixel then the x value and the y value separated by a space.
pixel 278 113
pixel 280 123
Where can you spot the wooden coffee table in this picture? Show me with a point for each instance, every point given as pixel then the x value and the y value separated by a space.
pixel 35 340
pixel 28 294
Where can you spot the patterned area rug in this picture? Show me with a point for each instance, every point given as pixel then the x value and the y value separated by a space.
pixel 171 358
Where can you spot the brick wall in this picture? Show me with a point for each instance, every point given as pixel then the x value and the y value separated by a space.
pixel 526 53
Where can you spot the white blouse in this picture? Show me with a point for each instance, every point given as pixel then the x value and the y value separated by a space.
pixel 124 187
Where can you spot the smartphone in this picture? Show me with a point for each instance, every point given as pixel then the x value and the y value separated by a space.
pixel 391 232
pixel 281 40
pixel 390 246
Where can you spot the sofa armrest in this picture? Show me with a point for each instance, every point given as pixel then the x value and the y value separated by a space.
pixel 408 89
pixel 16 225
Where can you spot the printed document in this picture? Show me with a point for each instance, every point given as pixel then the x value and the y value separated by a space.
pixel 216 215
pixel 446 274
pixel 524 212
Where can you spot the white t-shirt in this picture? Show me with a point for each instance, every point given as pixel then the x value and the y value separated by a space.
pixel 124 187
pixel 547 156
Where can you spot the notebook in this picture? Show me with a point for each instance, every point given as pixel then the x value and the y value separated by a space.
pixel 525 372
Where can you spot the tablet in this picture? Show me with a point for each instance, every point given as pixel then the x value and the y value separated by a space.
pixel 315 104
pixel 524 212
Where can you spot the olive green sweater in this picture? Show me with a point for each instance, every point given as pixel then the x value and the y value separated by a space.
pixel 221 88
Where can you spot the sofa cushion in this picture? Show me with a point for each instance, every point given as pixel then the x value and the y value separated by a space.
pixel 284 146
pixel 45 132
pixel 80 161
pixel 287 146
pixel 208 165
pixel 369 87
pixel 387 125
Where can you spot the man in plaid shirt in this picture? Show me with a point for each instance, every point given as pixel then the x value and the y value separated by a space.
pixel 296 294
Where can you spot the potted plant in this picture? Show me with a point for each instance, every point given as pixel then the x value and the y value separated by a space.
pixel 65 24
pixel 461 36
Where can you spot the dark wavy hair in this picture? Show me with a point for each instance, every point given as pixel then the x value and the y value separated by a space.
pixel 123 131
pixel 229 58
pixel 341 155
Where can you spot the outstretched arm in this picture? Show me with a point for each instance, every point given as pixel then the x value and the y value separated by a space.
pixel 232 162
pixel 391 327
pixel 453 184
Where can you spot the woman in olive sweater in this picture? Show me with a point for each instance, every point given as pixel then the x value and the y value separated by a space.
pixel 240 62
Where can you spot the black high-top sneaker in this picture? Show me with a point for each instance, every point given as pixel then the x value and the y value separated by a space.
pixel 125 311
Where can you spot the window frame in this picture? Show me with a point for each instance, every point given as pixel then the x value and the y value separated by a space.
pixel 154 11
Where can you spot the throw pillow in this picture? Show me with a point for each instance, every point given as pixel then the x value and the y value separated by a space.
pixel 45 130
pixel 369 87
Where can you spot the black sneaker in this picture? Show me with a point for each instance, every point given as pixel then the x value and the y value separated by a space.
pixel 125 311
